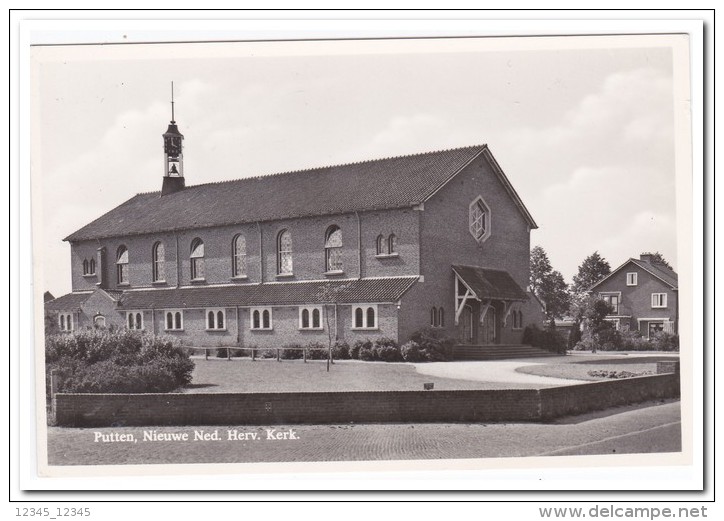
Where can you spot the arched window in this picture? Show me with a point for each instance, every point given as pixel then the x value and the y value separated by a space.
pixel 359 318
pixel 433 317
pixel 169 320
pixel 285 265
pixel 197 259
pixel 174 320
pixel 131 321
pixel 380 245
pixel 122 265
pixel 62 322
pixel 392 244
pixel 220 319
pixel 305 318
pixel 238 256
pixel 371 322
pixel 266 319
pixel 316 318
pixel 211 324
pixel 441 317
pixel 333 248
pixel 177 321
pixel 159 262
pixel 85 267
pixel 92 267
pixel 256 321
pixel 139 321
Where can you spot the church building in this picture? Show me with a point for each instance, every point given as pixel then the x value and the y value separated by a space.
pixel 379 248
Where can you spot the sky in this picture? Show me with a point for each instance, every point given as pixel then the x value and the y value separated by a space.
pixel 585 131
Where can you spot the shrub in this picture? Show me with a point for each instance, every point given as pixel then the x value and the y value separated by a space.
pixel 388 353
pixel 366 353
pixel 411 352
pixel 575 336
pixel 121 361
pixel 317 351
pixel 340 351
pixel 222 352
pixel 267 353
pixel 359 344
pixel 548 339
pixel 291 352
pixel 633 341
pixel 662 341
pixel 433 344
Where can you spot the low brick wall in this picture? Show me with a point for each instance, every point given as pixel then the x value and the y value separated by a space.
pixel 515 405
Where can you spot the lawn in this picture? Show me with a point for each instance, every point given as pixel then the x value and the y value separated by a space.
pixel 243 375
pixel 576 367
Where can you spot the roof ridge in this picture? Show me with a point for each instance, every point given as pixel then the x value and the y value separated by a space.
pixel 336 165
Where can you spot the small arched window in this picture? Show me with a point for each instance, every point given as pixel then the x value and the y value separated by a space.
pixel 380 245
pixel 122 265
pixel 441 317
pixel 256 319
pixel 371 322
pixel 62 322
pixel 433 317
pixel 266 319
pixel 85 267
pixel 284 253
pixel 169 320
pixel 131 321
pixel 316 318
pixel 92 267
pixel 211 323
pixel 197 259
pixel 392 244
pixel 359 318
pixel 158 254
pixel 305 318
pixel 220 319
pixel 333 249
pixel 177 320
pixel 238 256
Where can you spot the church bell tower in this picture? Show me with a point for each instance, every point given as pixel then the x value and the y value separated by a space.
pixel 173 176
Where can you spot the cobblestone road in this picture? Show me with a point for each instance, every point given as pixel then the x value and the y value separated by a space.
pixel 644 428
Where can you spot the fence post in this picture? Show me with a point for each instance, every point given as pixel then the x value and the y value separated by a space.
pixel 279 359
pixel 305 354
pixel 206 353
pixel 228 353
pixel 253 354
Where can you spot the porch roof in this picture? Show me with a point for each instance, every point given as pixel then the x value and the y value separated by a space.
pixel 489 283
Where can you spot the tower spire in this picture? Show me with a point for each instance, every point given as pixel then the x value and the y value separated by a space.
pixel 173 119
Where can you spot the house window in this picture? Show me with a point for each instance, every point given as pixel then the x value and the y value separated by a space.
pixel 261 318
pixel 364 316
pixel 122 265
pixel 174 320
pixel 134 319
pixel 392 244
pixel 238 257
pixel 380 245
pixel 612 300
pixel 284 253
pixel 158 254
pixel 216 319
pixel 333 249
pixel 65 322
pixel 658 300
pixel 197 259
pixel 479 219
pixel 655 327
pixel 632 279
pixel 433 317
pixel 310 317
pixel 517 319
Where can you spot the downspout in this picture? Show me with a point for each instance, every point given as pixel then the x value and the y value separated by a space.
pixel 178 263
pixel 359 246
pixel 261 254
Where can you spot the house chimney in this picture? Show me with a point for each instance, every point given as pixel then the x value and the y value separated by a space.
pixel 647 257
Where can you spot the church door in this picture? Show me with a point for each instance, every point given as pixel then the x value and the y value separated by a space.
pixel 465 327
pixel 488 327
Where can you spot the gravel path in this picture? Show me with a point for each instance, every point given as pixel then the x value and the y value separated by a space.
pixel 493 372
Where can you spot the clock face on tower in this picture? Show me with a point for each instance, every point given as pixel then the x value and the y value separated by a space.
pixel 173 146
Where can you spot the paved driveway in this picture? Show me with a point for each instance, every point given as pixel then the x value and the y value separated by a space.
pixel 493 372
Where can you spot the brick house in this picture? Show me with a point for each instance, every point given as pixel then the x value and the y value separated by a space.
pixel 363 250
pixel 643 295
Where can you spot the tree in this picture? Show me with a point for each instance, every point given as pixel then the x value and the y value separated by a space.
pixel 548 284
pixel 593 269
pixel 594 312
pixel 657 258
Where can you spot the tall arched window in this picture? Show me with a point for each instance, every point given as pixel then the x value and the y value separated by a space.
pixel 371 322
pixel 177 320
pixel 256 319
pixel 359 317
pixel 197 259
pixel 159 262
pixel 441 317
pixel 85 267
pixel 238 256
pixel 433 317
pixel 284 253
pixel 392 244
pixel 333 249
pixel 220 319
pixel 92 267
pixel 305 319
pixel 266 319
pixel 380 245
pixel 122 265
pixel 211 322
pixel 316 318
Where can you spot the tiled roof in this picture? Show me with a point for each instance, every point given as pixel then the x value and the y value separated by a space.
pixel 490 283
pixel 290 293
pixel 67 302
pixel 666 275
pixel 370 185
